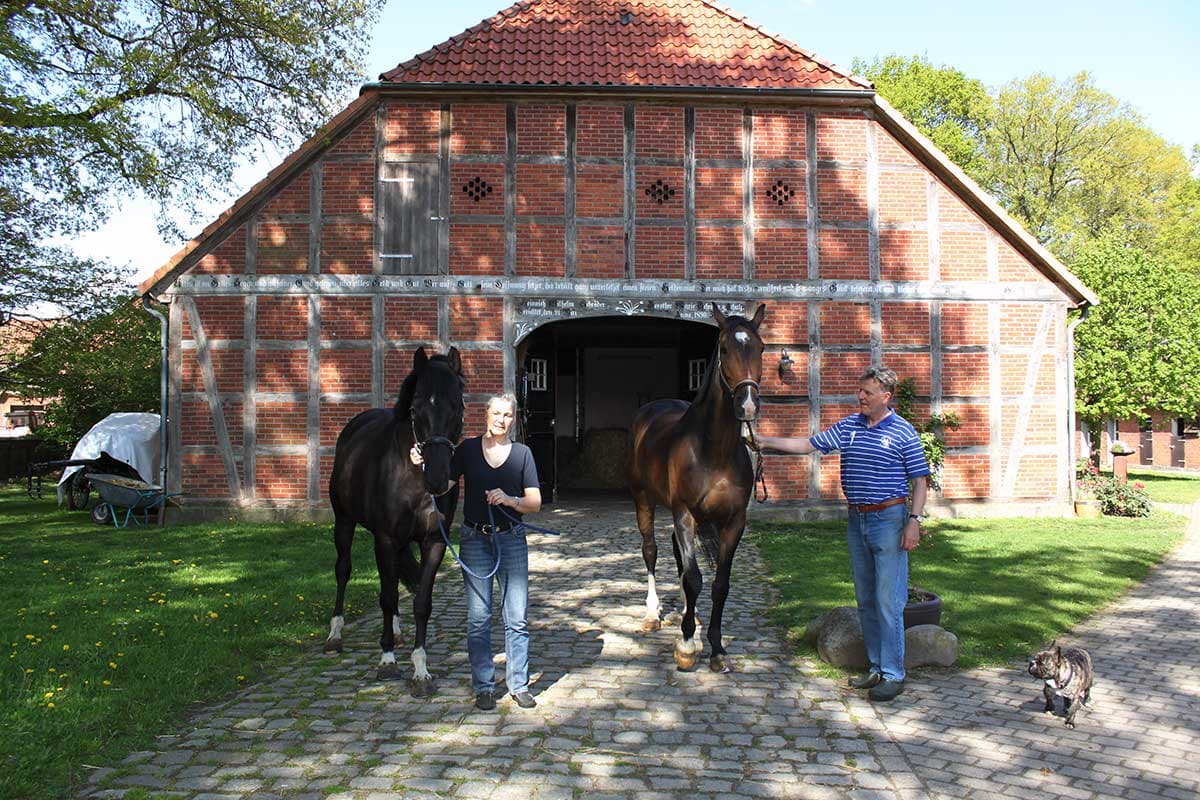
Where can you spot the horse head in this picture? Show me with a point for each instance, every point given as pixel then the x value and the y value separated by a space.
pixel 739 360
pixel 433 399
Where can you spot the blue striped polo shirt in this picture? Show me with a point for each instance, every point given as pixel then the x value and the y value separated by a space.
pixel 876 463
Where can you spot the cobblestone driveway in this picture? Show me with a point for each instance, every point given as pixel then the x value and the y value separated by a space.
pixel 615 719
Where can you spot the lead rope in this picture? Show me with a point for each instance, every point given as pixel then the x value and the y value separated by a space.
pixel 450 547
pixel 760 478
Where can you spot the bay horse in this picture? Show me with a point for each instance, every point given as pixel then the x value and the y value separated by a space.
pixel 376 485
pixel 691 458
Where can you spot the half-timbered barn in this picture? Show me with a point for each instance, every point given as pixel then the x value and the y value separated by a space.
pixel 562 192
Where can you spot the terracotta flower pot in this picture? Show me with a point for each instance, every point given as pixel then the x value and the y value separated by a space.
pixel 923 612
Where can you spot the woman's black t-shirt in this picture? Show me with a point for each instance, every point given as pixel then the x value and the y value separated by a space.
pixel 513 477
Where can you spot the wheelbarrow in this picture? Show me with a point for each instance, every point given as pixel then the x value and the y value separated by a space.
pixel 79 487
pixel 131 494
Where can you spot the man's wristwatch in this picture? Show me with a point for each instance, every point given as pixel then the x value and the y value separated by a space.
pixel 918 517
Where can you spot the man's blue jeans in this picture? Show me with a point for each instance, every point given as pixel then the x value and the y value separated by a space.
pixel 478 551
pixel 881 585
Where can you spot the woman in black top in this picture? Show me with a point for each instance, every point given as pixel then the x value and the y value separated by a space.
pixel 498 473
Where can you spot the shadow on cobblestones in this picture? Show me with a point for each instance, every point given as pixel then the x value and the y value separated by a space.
pixel 616 720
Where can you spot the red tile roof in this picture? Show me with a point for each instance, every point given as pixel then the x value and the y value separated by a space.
pixel 678 43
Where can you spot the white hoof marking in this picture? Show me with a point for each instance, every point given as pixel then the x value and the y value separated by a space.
pixel 420 671
pixel 387 658
pixel 335 627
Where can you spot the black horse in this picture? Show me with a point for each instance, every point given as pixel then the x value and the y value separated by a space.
pixel 376 485
pixel 692 459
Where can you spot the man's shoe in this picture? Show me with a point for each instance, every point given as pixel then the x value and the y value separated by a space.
pixel 485 701
pixel 866 681
pixel 886 691
pixel 524 700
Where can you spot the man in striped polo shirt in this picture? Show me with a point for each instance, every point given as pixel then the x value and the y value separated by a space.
pixel 881 457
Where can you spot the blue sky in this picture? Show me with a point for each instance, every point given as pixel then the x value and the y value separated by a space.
pixel 1147 54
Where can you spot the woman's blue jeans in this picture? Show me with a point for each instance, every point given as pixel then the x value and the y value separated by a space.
pixel 478 551
pixel 880 570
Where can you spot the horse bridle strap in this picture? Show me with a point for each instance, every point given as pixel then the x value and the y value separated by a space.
pixel 420 443
pixel 725 381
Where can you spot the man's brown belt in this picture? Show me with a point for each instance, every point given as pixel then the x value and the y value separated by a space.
pixel 868 508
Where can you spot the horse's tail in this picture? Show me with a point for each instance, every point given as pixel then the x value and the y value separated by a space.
pixel 409 567
pixel 710 542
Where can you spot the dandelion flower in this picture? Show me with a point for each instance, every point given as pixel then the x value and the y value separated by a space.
pixel 112 664
pixel 107 683
pixel 66 647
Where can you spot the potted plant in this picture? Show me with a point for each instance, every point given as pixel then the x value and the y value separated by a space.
pixel 1087 487
pixel 923 608
pixel 1086 503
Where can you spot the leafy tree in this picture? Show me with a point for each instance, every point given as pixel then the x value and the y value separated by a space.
pixel 1137 351
pixel 1177 231
pixel 947 106
pixel 111 98
pixel 1073 163
pixel 91 368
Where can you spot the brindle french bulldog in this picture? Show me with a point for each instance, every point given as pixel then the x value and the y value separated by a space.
pixel 1066 672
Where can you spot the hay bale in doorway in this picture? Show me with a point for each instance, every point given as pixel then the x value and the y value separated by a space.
pixel 600 463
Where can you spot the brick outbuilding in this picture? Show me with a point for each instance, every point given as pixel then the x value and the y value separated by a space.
pixel 561 192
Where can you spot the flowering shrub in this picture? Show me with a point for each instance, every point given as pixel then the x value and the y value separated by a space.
pixel 1120 499
pixel 1117 498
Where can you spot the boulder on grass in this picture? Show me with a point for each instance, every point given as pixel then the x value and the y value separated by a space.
pixel 838 638
pixel 929 646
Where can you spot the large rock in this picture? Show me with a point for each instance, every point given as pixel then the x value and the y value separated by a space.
pixel 929 646
pixel 838 637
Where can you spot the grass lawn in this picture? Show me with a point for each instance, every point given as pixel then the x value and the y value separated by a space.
pixel 1008 586
pixel 1168 487
pixel 113 635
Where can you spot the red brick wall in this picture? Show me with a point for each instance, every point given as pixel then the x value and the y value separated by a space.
pixel 599 131
pixel 345 318
pixel 718 133
pixel 410 318
pixel 476 319
pixel 283 318
pixel 346 371
pixel 228 257
pixel 541 250
pixel 659 132
pixel 779 134
pixel 282 247
pixel 541 130
pixel 348 188
pixel 346 249
pixel 477 128
pixel 779 254
pixel 660 252
pixel 293 197
pixel 410 128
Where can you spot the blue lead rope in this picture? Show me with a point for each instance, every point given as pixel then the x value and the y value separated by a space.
pixel 517 525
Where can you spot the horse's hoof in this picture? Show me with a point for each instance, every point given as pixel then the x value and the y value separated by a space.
pixel 686 662
pixel 388 672
pixel 421 688
pixel 720 664
pixel 651 624
pixel 333 645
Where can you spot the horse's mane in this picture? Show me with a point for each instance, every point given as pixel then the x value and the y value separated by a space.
pixel 408 389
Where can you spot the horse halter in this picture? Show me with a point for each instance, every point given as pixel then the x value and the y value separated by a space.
pixel 442 440
pixel 725 381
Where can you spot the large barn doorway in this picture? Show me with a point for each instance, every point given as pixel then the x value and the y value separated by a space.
pixel 580 382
